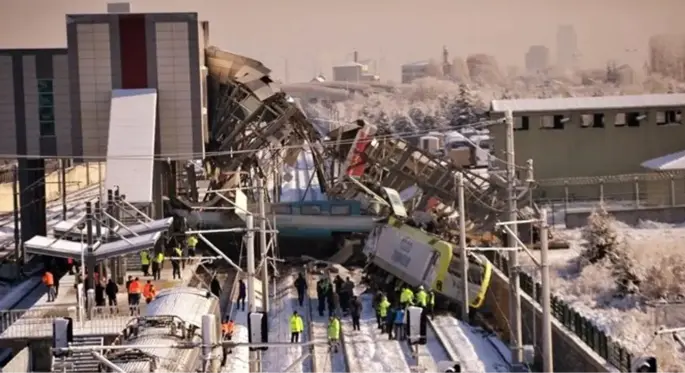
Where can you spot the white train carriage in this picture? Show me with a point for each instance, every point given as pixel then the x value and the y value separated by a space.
pixel 173 318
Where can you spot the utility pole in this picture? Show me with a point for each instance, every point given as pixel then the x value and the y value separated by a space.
pixel 261 195
pixel 63 187
pixel 548 364
pixel 514 280
pixel 462 247
pixel 249 242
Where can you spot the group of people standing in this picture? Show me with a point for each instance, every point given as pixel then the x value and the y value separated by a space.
pixel 392 316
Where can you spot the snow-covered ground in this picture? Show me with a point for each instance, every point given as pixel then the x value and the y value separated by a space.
pixel 478 350
pixel 371 351
pixel 660 251
pixel 238 360
pixel 283 303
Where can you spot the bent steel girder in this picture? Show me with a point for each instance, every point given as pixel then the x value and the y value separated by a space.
pixel 394 163
pixel 249 114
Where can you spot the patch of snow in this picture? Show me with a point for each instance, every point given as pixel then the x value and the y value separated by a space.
pixel 368 349
pixel 590 292
pixel 238 360
pixel 477 349
pixel 283 303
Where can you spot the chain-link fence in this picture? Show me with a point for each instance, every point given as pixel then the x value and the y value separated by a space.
pixel 630 191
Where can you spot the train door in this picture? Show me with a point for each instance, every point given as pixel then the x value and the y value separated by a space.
pixel 432 269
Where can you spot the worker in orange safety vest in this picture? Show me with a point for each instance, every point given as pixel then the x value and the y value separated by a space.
pixel 149 292
pixel 49 281
pixel 134 290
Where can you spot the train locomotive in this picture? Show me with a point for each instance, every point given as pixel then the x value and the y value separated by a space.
pixel 418 258
pixel 173 317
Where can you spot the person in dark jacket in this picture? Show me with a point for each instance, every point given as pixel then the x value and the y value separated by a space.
pixel 99 294
pixel 242 293
pixel 346 295
pixel 321 289
pixel 330 301
pixel 111 291
pixel 215 287
pixel 338 282
pixel 301 286
pixel 356 312
pixel 333 304
pixel 390 321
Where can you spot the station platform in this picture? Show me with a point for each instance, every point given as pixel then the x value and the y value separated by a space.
pixel 35 323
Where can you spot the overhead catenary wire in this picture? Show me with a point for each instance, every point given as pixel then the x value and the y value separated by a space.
pixel 196 155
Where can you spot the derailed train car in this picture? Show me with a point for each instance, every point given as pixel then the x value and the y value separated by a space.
pixel 174 317
pixel 419 258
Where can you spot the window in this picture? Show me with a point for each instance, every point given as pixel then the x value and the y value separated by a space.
pixel 521 123
pixel 585 120
pixel 547 121
pixel 559 121
pixel 620 120
pixel 46 107
pixel 281 209
pixel 310 210
pixel 633 119
pixel 597 120
pixel 670 117
pixel 340 210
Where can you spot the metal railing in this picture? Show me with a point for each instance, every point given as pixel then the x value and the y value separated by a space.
pixel 37 321
pixel 608 348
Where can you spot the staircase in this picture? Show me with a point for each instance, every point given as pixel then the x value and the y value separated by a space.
pixel 79 361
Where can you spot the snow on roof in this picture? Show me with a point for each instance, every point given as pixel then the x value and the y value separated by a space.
pixel 588 103
pixel 669 162
pixel 417 63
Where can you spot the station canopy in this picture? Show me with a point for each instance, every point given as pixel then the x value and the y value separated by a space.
pixel 127 240
pixel 70 230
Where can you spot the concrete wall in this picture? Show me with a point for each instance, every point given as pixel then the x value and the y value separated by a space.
pixel 570 353
pixel 672 215
pixel 21 362
pixel 585 151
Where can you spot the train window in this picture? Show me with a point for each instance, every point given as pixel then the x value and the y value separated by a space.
pixel 281 209
pixel 310 210
pixel 559 121
pixel 340 210
pixel 620 120
pixel 598 120
pixel 547 121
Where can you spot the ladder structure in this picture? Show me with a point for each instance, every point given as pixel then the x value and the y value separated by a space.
pixel 79 361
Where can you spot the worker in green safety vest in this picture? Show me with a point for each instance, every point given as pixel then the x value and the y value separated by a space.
pixel 421 297
pixel 145 262
pixel 333 333
pixel 191 241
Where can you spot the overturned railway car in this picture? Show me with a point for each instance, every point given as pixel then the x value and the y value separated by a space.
pixel 174 317
pixel 418 258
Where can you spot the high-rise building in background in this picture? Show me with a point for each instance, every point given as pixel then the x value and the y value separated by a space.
pixel 537 58
pixel 567 46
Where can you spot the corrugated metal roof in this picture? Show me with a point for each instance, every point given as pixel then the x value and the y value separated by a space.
pixel 588 103
pixel 131 143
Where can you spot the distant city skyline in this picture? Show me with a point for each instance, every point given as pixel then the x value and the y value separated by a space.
pixel 313 36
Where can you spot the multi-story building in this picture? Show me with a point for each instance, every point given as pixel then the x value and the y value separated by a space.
pixel 125 84
pixel 567 46
pixel 537 58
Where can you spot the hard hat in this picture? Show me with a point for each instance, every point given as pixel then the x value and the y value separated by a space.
pixel 420 287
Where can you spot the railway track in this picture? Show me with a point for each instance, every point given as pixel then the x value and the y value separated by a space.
pixel 323 359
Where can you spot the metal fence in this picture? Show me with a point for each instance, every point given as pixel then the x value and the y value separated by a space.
pixel 611 350
pixel 639 190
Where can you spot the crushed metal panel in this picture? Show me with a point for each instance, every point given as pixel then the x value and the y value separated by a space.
pixel 241 205
pixel 396 202
pixel 131 145
pixel 127 246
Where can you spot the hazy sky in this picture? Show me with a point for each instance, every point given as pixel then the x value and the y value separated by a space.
pixel 312 35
